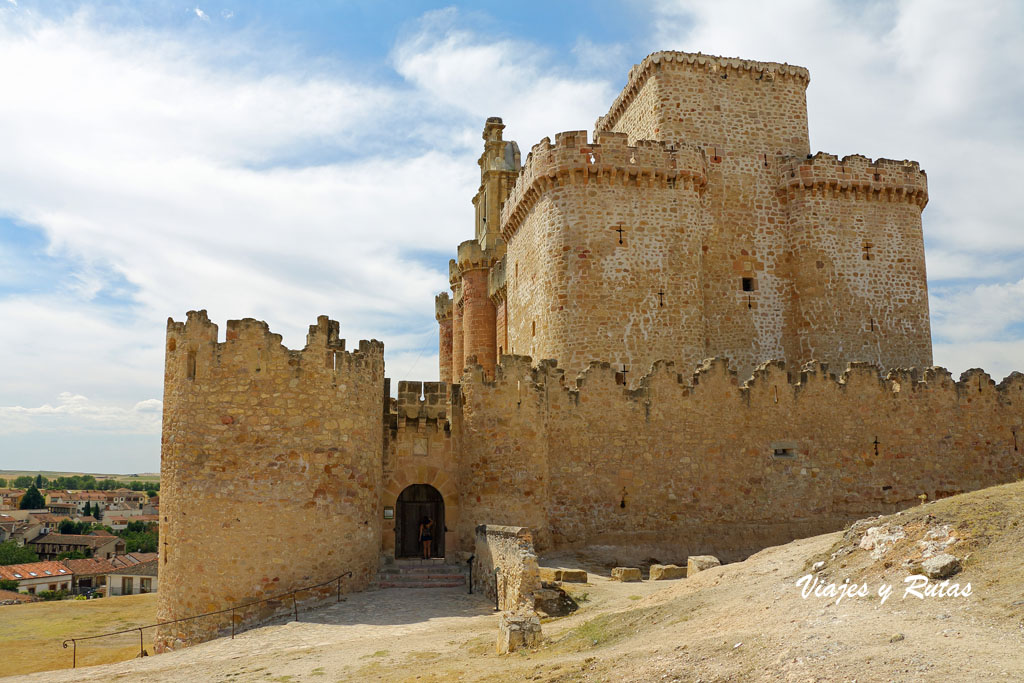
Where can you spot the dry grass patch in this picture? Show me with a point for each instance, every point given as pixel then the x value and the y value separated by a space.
pixel 31 635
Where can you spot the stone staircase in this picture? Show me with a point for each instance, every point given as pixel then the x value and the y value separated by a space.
pixel 413 573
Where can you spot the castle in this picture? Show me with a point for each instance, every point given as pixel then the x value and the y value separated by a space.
pixel 695 225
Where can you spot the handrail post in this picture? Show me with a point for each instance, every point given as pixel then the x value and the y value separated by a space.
pixel 142 648
pixel 339 589
pixel 295 606
pixel 232 623
pixel 74 650
pixel 497 571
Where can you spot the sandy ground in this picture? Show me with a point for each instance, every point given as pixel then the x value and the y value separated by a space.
pixel 744 621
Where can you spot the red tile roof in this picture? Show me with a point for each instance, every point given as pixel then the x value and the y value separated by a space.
pixel 33 570
pixel 88 566
pixel 72 539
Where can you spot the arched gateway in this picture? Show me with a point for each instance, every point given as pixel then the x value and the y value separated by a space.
pixel 414 503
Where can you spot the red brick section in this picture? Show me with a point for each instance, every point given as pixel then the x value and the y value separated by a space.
pixel 444 350
pixel 478 319
pixel 457 346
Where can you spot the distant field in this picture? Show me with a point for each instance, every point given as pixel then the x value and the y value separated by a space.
pixel 141 476
pixel 31 635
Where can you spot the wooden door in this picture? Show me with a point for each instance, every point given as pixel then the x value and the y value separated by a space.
pixel 415 503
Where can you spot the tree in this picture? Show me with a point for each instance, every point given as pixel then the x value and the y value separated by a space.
pixel 75 528
pixel 152 493
pixel 8 585
pixel 12 553
pixel 32 500
pixel 72 555
pixel 3 483
pixel 39 481
pixel 22 482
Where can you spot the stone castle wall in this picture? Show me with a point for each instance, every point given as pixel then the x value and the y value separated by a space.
pixel 684 466
pixel 858 266
pixel 738 104
pixel 270 468
pixel 418 450
pixel 577 289
pixel 508 549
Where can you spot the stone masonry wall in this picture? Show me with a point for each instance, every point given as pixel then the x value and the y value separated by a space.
pixel 510 550
pixel 858 260
pixel 573 291
pixel 704 465
pixel 778 233
pixel 738 104
pixel 270 468
pixel 419 451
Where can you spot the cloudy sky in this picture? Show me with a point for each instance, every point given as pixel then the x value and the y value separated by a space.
pixel 284 160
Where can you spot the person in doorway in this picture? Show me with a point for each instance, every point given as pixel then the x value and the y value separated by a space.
pixel 426 535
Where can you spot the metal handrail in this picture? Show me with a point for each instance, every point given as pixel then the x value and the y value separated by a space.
pixel 140 629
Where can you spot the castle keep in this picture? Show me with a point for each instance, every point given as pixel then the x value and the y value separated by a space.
pixel 575 395
pixel 695 225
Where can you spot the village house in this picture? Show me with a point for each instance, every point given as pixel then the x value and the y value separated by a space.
pixel 60 508
pixel 88 574
pixel 36 577
pixel 134 580
pixel 49 546
pixel 10 499
pixel 49 522
pixel 132 559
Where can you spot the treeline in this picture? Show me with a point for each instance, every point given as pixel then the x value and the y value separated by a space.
pixel 139 537
pixel 79 482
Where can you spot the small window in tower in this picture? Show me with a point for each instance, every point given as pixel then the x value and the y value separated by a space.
pixel 748 284
pixel 783 449
pixel 533 330
pixel 190 365
pixel 868 255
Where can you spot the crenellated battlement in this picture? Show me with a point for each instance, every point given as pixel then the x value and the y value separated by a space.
pixel 496 286
pixel 856 175
pixel 421 400
pixel 714 375
pixel 442 307
pixel 471 256
pixel 767 72
pixel 609 160
pixel 194 352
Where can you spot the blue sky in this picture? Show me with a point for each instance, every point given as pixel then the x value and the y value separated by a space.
pixel 285 160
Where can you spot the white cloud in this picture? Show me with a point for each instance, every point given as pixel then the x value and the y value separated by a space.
pixel 280 189
pixel 226 13
pixel 74 412
pixel 201 14
pixel 516 80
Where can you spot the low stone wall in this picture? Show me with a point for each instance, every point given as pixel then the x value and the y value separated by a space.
pixel 510 550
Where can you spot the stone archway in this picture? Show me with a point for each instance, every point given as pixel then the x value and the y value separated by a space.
pixel 415 502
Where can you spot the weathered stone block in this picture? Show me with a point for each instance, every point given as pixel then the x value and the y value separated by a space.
pixel 663 572
pixel 550 574
pixel 574 576
pixel 698 563
pixel 517 631
pixel 941 566
pixel 626 574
